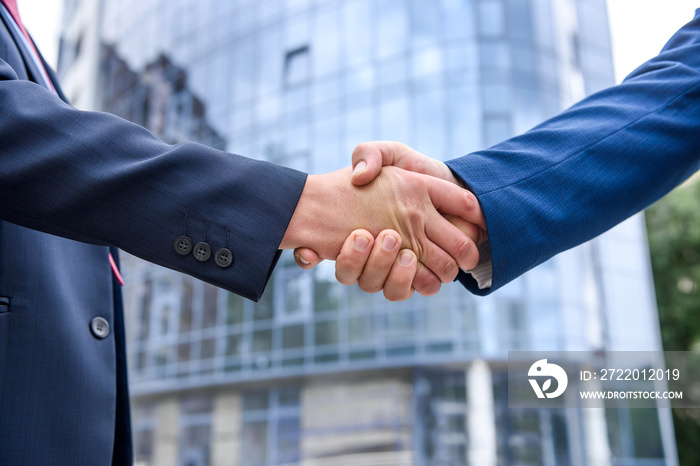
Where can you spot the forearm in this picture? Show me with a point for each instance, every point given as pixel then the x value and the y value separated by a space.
pixel 580 173
pixel 95 178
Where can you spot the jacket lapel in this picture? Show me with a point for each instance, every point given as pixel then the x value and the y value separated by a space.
pixel 52 76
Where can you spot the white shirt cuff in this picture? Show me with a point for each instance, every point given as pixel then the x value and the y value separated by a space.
pixel 483 272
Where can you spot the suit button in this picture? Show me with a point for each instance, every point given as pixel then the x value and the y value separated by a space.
pixel 202 252
pixel 4 304
pixel 223 258
pixel 183 245
pixel 99 327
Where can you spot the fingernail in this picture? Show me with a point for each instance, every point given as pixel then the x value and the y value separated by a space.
pixel 389 242
pixel 361 243
pixel 405 258
pixel 359 168
pixel 302 260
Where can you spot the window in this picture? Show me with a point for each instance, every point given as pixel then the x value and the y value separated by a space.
pixel 357 17
pixel 186 304
pixel 235 309
pixel 144 426
pixel 146 292
pixel 519 437
pixel 458 19
pixel 430 128
pixel 513 333
pixel 211 296
pixel 394 26
pixel 496 129
pixel 395 119
pixel 271 427
pixel 326 40
pixel 425 21
pixel 296 66
pixel 442 404
pixel 491 18
pixel 269 70
pixel 327 292
pixel 195 436
pixel 294 304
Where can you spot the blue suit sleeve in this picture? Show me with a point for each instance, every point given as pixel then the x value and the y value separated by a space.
pixel 599 162
pixel 96 178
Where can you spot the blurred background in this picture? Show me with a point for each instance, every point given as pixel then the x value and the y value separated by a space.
pixel 321 374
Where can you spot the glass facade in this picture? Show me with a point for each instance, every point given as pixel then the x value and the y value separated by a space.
pixel 318 370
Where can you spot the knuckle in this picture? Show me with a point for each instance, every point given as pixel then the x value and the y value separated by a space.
pixel 430 288
pixel 468 203
pixel 426 284
pixel 473 259
pixel 468 200
pixel 447 271
pixel 345 278
pixel 397 295
pixel 361 149
pixel 467 253
pixel 369 286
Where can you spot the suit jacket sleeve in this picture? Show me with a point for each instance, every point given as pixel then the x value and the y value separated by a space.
pixel 599 162
pixel 96 178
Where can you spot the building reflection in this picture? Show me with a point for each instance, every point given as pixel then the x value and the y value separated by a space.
pixel 321 374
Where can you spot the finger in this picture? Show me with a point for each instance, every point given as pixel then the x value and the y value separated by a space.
pixel 452 241
pixel 474 232
pixel 353 256
pixel 368 158
pixel 426 282
pixel 384 253
pixel 306 258
pixel 397 286
pixel 448 198
pixel 438 261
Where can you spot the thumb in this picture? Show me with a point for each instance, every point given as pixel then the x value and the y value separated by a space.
pixel 368 159
pixel 306 258
pixel 366 163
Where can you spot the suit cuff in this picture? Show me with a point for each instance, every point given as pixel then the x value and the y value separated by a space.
pixel 483 272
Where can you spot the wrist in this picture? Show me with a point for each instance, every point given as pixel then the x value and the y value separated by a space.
pixel 310 225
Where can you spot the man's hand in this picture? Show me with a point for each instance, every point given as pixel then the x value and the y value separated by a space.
pixel 353 265
pixel 330 208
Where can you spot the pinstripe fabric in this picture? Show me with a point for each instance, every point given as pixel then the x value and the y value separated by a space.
pixel 599 162
pixel 72 182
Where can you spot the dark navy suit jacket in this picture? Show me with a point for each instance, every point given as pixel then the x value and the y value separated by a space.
pixel 604 159
pixel 73 183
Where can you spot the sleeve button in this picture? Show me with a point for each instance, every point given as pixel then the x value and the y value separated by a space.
pixel 183 245
pixel 223 258
pixel 202 252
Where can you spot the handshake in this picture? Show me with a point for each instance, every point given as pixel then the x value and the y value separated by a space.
pixel 409 226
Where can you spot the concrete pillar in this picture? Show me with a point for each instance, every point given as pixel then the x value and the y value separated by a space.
pixel 226 429
pixel 167 432
pixel 481 416
pixel 595 428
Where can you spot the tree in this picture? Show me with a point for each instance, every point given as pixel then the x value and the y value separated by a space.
pixel 673 226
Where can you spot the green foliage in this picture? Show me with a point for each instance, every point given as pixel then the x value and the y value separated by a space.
pixel 674 242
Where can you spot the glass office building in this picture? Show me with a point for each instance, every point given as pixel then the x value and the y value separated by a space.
pixel 321 374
